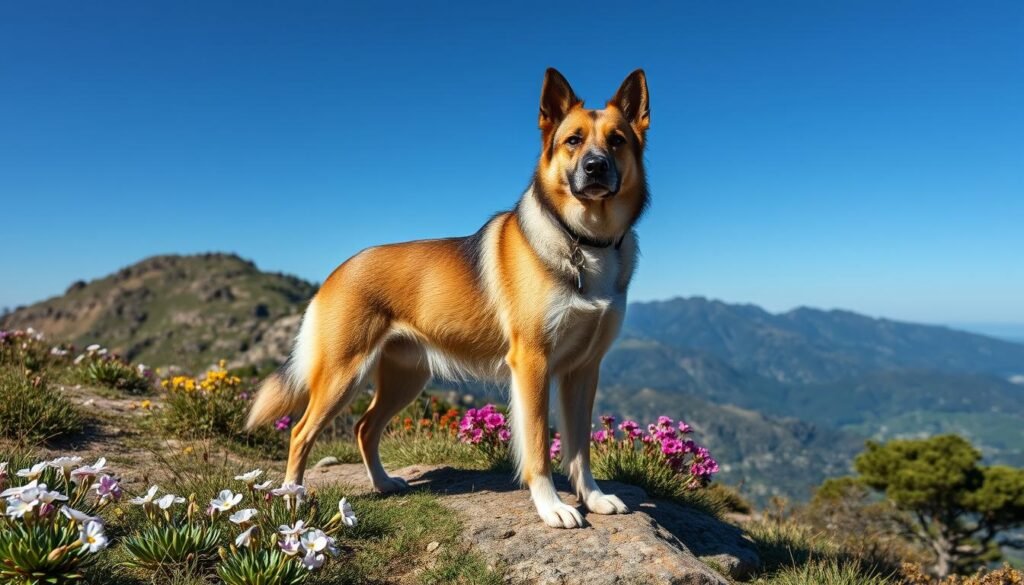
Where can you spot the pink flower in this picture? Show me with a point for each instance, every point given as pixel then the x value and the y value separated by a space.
pixel 608 421
pixel 600 436
pixel 664 422
pixel 685 428
pixel 504 435
pixel 556 448
pixel 108 489
pixel 283 423
pixel 494 420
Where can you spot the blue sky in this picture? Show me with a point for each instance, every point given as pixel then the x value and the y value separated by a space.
pixel 864 155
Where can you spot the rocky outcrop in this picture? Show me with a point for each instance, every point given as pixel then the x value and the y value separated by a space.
pixel 658 542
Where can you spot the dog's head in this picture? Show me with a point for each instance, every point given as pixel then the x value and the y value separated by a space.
pixel 592 160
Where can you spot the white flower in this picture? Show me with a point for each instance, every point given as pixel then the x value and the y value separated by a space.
pixel 245 538
pixel 225 500
pixel 21 489
pixel 79 359
pixel 250 477
pixel 88 470
pixel 292 532
pixel 102 351
pixel 262 487
pixel 64 463
pixel 315 540
pixel 289 489
pixel 33 472
pixel 79 517
pixel 92 537
pixel 312 560
pixel 292 494
pixel 93 347
pixel 142 369
pixel 47 497
pixel 289 546
pixel 169 500
pixel 348 516
pixel 3 468
pixel 146 499
pixel 58 351
pixel 17 507
pixel 243 516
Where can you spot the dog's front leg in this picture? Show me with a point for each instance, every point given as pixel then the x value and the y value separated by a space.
pixel 530 384
pixel 577 390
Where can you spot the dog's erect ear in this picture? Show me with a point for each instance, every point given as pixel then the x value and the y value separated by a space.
pixel 556 99
pixel 633 102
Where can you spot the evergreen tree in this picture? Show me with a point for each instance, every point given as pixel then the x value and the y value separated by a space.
pixel 959 509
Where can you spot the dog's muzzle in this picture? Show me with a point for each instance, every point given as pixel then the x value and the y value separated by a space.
pixel 595 177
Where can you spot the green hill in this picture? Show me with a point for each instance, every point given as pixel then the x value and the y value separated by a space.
pixel 187 311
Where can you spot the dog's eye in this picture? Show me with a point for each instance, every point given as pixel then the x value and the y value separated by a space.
pixel 616 140
pixel 573 140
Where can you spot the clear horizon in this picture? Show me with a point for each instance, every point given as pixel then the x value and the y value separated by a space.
pixel 864 156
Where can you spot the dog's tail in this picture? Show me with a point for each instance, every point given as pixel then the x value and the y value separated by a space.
pixel 286 391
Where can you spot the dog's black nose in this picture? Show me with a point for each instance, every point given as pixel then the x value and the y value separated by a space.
pixel 595 165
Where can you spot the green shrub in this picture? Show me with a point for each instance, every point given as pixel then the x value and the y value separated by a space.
pixel 32 410
pixel 213 406
pixel 98 367
pixel 27 351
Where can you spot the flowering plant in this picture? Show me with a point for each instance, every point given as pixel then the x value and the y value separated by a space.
pixel 488 429
pixel 257 535
pixel 98 365
pixel 49 530
pixel 214 404
pixel 663 460
pixel 664 441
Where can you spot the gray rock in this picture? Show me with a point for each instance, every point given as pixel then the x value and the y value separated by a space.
pixel 326 462
pixel 658 542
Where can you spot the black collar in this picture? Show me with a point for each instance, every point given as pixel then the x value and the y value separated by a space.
pixel 577 238
pixel 583 240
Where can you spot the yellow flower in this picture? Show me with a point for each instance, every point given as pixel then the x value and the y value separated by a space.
pixel 146 404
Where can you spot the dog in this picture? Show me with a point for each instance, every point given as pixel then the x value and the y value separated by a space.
pixel 535 298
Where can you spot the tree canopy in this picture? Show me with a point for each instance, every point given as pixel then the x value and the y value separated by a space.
pixel 957 507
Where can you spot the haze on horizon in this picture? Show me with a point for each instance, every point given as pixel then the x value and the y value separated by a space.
pixel 865 156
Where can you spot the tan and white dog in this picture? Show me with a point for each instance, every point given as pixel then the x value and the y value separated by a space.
pixel 535 297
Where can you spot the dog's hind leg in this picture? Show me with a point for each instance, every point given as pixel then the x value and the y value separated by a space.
pixel 329 394
pixel 342 359
pixel 401 374
pixel 577 390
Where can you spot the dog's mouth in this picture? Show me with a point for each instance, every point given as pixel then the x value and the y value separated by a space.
pixel 597 191
pixel 594 190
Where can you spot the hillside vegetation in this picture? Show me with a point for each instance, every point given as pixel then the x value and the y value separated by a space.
pixel 186 311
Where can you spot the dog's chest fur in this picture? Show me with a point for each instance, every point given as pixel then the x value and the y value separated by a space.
pixel 579 321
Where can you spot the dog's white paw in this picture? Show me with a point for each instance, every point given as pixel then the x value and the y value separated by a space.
pixel 390 485
pixel 599 503
pixel 560 515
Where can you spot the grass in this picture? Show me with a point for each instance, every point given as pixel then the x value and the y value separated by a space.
pixel 32 410
pixel 830 572
pixel 400 450
pixel 795 554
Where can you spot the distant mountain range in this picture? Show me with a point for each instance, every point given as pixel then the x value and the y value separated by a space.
pixel 784 400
